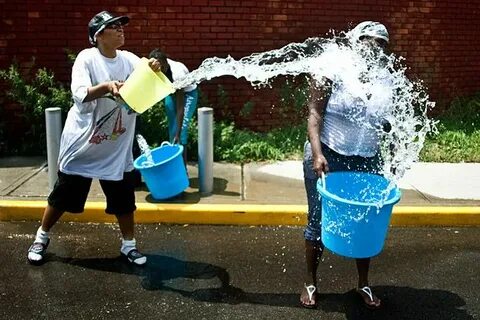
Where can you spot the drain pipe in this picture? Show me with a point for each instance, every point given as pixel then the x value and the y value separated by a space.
pixel 53 123
pixel 205 150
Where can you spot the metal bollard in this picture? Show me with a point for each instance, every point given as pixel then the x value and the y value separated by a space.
pixel 205 150
pixel 53 123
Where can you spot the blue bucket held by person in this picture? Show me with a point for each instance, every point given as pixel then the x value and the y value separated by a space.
pixel 356 211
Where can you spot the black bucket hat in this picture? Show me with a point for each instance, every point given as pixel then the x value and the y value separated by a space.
pixel 100 21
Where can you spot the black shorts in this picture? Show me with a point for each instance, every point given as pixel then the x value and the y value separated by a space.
pixel 70 193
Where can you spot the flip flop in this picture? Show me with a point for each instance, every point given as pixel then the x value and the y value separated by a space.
pixel 311 289
pixel 369 293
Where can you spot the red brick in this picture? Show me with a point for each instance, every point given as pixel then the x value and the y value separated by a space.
pixel 33 14
pixel 195 29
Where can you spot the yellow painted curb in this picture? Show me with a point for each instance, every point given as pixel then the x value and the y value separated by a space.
pixel 169 213
pixel 233 214
pixel 435 216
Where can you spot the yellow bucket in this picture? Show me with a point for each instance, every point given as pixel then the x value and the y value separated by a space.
pixel 144 87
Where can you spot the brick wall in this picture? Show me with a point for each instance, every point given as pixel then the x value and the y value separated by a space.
pixel 439 39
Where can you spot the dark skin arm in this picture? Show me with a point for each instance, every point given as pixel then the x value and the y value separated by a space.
pixel 102 89
pixel 316 109
pixel 113 87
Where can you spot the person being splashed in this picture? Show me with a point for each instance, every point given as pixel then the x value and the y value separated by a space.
pixel 344 131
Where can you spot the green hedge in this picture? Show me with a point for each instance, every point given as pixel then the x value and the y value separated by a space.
pixel 457 139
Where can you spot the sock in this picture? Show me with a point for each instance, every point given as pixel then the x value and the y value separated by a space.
pixel 128 245
pixel 41 236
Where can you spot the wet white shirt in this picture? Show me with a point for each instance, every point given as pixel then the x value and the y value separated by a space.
pixel 98 135
pixel 179 71
pixel 354 115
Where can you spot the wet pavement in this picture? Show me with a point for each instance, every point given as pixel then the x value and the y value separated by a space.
pixel 232 272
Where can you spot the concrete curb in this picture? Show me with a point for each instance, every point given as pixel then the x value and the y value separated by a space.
pixel 237 214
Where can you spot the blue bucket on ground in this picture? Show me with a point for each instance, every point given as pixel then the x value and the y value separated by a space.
pixel 353 222
pixel 167 177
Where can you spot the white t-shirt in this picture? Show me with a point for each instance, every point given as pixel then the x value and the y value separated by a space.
pixel 98 135
pixel 179 71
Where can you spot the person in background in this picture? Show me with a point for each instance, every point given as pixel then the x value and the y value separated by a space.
pixel 336 142
pixel 97 138
pixel 181 105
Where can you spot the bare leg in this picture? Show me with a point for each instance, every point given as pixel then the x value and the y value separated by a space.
pixel 37 250
pixel 363 266
pixel 313 253
pixel 126 224
pixel 50 217
pixel 128 248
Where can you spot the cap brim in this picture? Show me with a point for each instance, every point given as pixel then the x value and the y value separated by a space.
pixel 372 35
pixel 382 37
pixel 121 19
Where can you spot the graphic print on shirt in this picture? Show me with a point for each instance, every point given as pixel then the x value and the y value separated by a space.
pixel 108 127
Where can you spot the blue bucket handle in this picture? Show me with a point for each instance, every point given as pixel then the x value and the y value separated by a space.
pixel 166 143
pixel 324 183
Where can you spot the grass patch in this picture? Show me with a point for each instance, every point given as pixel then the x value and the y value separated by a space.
pixel 235 145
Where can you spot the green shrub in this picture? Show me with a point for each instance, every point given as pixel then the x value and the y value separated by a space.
pixel 234 145
pixel 457 139
pixel 4 143
pixel 34 93
pixel 458 136
pixel 463 114
pixel 153 125
pixel 293 94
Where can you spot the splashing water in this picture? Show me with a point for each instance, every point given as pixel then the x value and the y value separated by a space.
pixel 362 70
pixel 142 143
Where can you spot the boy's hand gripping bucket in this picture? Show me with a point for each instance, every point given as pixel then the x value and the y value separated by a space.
pixel 166 176
pixel 353 222
pixel 144 87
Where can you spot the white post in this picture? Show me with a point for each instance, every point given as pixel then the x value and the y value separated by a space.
pixel 53 123
pixel 205 150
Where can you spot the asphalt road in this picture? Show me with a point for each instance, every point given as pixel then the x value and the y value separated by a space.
pixel 232 272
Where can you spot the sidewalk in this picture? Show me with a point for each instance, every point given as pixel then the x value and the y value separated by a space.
pixel 256 194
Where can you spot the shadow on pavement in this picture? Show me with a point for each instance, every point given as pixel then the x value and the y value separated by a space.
pixel 189 196
pixel 397 302
pixel 20 162
pixel 219 187
pixel 184 197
